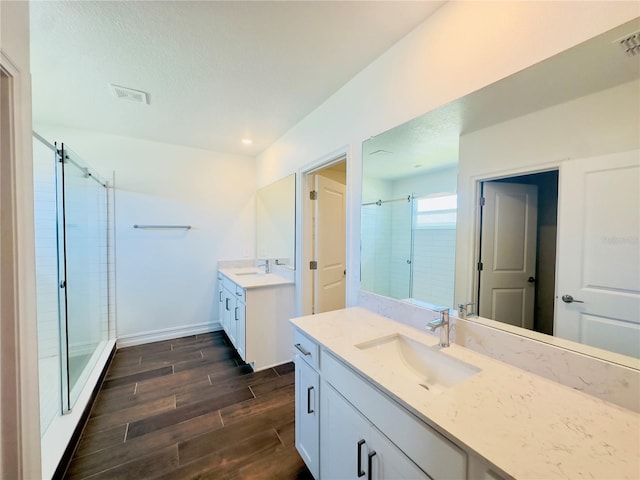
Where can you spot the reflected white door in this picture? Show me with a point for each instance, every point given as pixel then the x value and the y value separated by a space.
pixel 508 253
pixel 330 245
pixel 599 252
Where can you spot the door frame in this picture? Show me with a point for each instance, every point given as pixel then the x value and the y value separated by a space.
pixel 304 226
pixel 473 279
pixel 20 413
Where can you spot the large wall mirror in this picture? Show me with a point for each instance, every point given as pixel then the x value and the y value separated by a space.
pixel 522 199
pixel 275 221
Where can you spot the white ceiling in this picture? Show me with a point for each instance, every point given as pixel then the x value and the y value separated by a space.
pixel 215 71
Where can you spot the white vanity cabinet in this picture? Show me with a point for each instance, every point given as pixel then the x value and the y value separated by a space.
pixel 221 301
pixel 362 432
pixel 255 317
pixel 307 415
pixel 229 310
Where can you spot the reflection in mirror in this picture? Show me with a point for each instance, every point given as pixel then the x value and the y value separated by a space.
pixel 275 221
pixel 547 165
pixel 409 214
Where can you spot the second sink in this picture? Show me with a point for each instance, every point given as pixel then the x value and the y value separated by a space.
pixel 426 365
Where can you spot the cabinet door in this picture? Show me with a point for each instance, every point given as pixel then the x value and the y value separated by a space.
pixel 308 415
pixel 230 305
pixel 233 314
pixel 241 328
pixel 224 319
pixel 386 461
pixel 344 434
pixel 221 304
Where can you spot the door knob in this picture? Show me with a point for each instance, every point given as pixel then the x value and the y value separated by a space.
pixel 570 299
pixel 531 280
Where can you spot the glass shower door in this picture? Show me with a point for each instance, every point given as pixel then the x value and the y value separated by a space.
pixel 83 286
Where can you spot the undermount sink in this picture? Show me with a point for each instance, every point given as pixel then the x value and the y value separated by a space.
pixel 250 273
pixel 428 366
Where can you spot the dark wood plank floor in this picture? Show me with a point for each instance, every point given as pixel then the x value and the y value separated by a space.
pixel 189 408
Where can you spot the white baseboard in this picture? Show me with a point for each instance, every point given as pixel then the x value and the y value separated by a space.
pixel 166 334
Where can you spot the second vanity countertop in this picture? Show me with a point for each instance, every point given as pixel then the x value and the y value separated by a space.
pixel 253 277
pixel 525 425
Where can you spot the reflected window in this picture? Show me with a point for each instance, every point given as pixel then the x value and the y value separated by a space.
pixel 436 211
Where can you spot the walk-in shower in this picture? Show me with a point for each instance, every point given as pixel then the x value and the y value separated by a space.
pixel 408 247
pixel 73 213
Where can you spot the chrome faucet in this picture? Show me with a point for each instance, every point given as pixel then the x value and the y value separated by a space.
pixel 265 265
pixel 443 324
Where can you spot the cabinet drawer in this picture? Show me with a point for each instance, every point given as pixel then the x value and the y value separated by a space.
pixel 432 452
pixel 306 348
pixel 241 294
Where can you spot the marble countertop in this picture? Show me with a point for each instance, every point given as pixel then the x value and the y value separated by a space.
pixel 253 277
pixel 525 425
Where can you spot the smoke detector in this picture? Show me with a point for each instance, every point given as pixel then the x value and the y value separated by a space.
pixel 630 43
pixel 125 93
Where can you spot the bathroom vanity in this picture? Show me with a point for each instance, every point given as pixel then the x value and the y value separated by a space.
pixel 254 309
pixel 376 398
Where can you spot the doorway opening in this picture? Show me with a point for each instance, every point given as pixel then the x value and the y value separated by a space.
pixel 324 237
pixel 517 250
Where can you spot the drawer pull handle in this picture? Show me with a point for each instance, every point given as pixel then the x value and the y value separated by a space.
pixel 370 464
pixel 236 314
pixel 227 304
pixel 221 296
pixel 361 472
pixel 309 409
pixel 303 350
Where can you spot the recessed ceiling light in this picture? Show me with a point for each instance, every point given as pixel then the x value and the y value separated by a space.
pixel 247 141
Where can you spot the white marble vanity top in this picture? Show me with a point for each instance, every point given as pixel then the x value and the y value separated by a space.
pixel 253 277
pixel 525 425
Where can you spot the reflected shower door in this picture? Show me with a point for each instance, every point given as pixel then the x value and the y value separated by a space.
pixel 386 248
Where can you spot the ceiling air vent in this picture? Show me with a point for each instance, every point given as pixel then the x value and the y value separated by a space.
pixel 630 43
pixel 125 93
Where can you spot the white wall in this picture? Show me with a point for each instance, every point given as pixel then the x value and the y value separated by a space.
pixel 462 47
pixel 438 181
pixel 604 122
pixel 166 279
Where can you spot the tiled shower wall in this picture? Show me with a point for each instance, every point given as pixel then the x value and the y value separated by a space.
pixel 46 282
pixel 434 265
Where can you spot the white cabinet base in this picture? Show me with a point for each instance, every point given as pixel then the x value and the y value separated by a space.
pixel 256 320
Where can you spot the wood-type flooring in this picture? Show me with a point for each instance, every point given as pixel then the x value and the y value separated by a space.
pixel 189 408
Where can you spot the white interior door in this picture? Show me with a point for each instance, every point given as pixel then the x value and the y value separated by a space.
pixel 599 252
pixel 508 253
pixel 330 245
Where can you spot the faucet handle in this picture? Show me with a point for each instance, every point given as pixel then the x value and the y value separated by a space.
pixel 463 309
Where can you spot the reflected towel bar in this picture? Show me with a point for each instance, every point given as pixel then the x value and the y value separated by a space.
pixel 184 227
